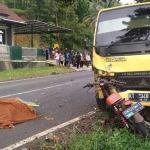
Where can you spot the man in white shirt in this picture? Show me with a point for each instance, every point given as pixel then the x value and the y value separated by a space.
pixel 88 59
pixel 57 58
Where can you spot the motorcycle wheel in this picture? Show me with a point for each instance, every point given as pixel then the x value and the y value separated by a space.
pixel 101 103
pixel 132 127
pixel 142 129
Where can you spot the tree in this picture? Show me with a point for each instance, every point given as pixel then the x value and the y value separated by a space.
pixel 2 1
pixel 81 8
pixel 68 18
pixel 36 7
pixel 95 6
pixel 141 1
pixel 64 13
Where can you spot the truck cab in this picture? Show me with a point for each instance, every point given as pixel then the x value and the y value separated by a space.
pixel 121 50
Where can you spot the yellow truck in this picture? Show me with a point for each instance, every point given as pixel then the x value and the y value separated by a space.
pixel 121 51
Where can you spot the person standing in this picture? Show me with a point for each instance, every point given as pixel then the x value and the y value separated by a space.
pixel 66 58
pixel 72 56
pixel 74 60
pixel 82 60
pixel 78 59
pixel 50 52
pixel 65 52
pixel 88 59
pixel 62 59
pixel 57 58
pixel 46 52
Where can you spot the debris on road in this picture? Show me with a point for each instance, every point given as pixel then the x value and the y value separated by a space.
pixel 49 119
pixel 60 105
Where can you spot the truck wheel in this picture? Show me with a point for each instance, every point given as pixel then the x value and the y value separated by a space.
pixel 142 129
pixel 101 103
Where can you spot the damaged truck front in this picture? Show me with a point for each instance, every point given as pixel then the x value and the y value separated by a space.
pixel 121 51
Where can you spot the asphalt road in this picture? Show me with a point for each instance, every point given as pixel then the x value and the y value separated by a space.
pixel 60 97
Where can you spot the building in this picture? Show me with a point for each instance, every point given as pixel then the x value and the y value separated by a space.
pixel 8 20
pixel 11 23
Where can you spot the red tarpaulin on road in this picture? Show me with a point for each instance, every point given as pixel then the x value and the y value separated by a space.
pixel 12 112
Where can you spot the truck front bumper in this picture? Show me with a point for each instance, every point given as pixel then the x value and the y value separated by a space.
pixel 137 96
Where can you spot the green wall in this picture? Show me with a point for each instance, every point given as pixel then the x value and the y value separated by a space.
pixel 15 53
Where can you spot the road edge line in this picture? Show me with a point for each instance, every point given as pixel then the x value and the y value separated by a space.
pixel 36 136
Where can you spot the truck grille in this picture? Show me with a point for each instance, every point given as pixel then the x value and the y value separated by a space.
pixel 135 82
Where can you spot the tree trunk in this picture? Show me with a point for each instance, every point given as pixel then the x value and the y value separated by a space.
pixel 58 35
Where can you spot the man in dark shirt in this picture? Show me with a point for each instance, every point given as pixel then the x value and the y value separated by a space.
pixel 46 52
pixel 78 58
pixel 50 51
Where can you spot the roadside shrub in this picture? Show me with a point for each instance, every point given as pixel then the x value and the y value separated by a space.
pixel 101 139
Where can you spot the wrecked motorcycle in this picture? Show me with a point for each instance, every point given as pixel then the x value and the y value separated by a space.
pixel 124 110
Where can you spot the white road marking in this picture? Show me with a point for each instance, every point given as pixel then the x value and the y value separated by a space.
pixel 39 89
pixel 32 138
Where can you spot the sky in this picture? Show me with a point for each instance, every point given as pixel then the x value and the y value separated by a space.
pixel 126 1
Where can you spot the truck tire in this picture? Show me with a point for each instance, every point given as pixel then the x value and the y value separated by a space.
pixel 142 129
pixel 101 103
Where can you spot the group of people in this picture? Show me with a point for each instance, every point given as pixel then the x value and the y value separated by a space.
pixel 77 59
pixel 50 52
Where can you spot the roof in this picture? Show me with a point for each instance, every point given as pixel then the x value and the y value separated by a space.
pixel 28 27
pixel 37 27
pixel 4 10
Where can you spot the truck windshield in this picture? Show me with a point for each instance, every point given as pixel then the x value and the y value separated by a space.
pixel 125 25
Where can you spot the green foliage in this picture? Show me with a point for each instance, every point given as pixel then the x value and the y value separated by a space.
pixel 35 8
pixel 102 139
pixel 81 8
pixel 19 11
pixel 94 7
pixel 66 17
pixel 141 1
pixel 66 1
pixel 70 20
pixel 17 4
pixel 78 15
pixel 1 1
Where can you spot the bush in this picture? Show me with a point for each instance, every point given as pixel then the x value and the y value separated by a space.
pixel 116 139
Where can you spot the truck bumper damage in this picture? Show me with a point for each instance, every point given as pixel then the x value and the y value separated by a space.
pixel 137 96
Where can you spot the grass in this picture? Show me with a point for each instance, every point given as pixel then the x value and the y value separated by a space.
pixel 101 139
pixel 98 137
pixel 23 73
